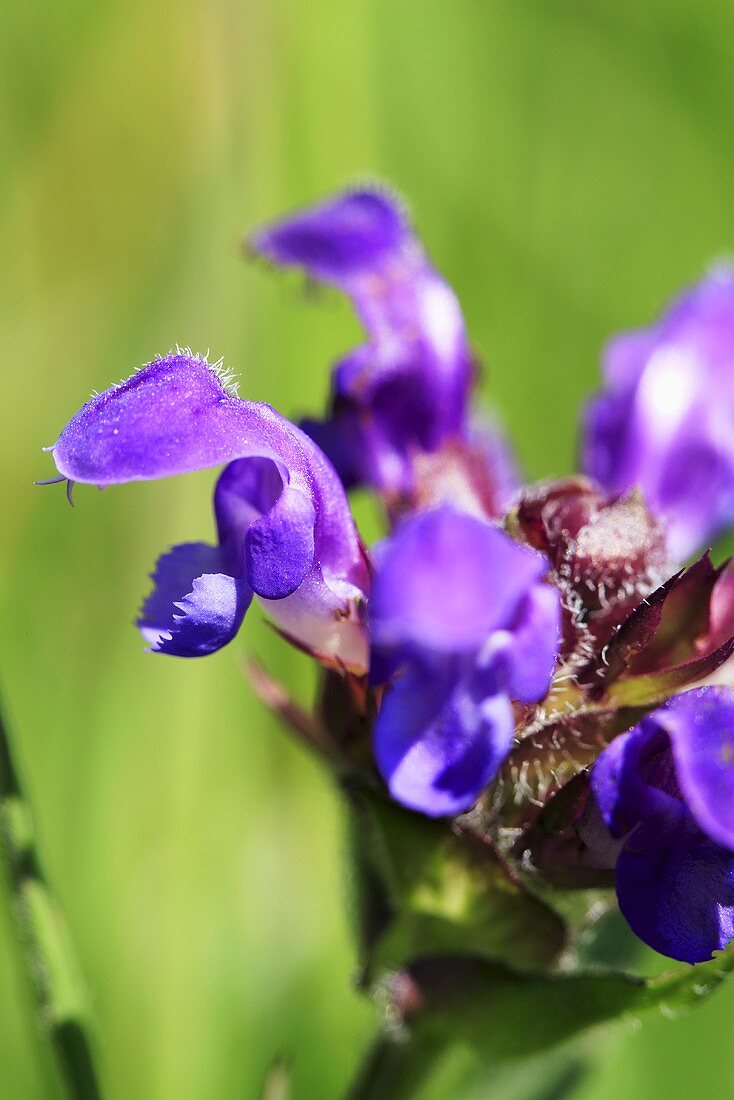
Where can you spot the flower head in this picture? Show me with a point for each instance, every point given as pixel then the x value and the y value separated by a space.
pixel 664 421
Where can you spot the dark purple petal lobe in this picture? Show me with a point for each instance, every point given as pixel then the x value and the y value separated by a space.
pixel 665 789
pixel 438 742
pixel 279 546
pixel 675 888
pixel 195 607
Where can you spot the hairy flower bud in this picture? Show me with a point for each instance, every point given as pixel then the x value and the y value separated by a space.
pixel 608 552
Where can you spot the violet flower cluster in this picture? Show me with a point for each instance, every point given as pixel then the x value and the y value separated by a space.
pixel 518 655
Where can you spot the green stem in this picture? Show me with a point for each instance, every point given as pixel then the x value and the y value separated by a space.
pixel 42 935
pixel 395 1069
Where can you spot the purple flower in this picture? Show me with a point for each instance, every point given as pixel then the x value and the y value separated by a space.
pixel 406 389
pixel 458 610
pixel 285 530
pixel 666 792
pixel 665 419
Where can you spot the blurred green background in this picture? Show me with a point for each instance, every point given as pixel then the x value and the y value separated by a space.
pixel 570 163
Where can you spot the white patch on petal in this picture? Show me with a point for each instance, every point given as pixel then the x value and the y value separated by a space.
pixel 440 318
pixel 669 386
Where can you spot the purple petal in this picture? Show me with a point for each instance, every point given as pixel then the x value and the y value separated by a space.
pixel 437 743
pixel 281 510
pixel 322 612
pixel 446 580
pixel 701 728
pixel 666 787
pixel 663 421
pixel 406 389
pixel 621 779
pixel 245 490
pixel 195 607
pixel 675 888
pixel 336 239
pixel 527 652
pixel 279 547
pixel 175 416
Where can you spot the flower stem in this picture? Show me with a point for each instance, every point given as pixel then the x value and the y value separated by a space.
pixel 395 1069
pixel 48 955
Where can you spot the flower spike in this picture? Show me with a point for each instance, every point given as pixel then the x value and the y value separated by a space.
pixel 512 658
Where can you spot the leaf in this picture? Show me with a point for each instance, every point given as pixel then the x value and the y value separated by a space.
pixel 684 618
pixel 635 633
pixel 555 846
pixel 404 1067
pixel 556 1076
pixel 656 687
pixel 668 636
pixel 62 1001
pixel 427 886
pixel 505 1015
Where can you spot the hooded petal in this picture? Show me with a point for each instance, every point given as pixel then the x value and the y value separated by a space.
pixel 664 419
pixel 407 388
pixel 440 738
pixel 195 607
pixel 339 239
pixel 175 416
